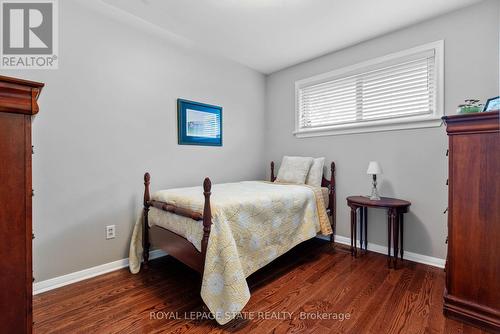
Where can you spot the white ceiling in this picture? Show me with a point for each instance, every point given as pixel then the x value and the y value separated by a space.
pixel 269 35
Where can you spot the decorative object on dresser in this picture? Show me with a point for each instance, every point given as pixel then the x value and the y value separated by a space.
pixel 472 292
pixel 374 169
pixel 395 210
pixel 470 106
pixel 199 123
pixel 18 103
pixel 492 104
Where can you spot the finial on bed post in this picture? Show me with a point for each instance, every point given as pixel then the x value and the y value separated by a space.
pixel 145 227
pixel 207 216
pixel 272 172
pixel 332 200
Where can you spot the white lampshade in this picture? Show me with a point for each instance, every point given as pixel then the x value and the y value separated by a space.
pixel 374 168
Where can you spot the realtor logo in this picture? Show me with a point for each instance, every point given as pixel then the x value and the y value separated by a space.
pixel 29 34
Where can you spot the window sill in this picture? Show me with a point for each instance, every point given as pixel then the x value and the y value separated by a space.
pixel 370 127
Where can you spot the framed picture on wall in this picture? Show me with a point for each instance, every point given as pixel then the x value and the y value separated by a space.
pixel 199 123
pixel 492 104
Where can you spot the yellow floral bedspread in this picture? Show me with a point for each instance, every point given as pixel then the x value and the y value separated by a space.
pixel 253 223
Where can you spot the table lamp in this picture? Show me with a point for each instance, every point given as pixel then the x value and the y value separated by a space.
pixel 374 169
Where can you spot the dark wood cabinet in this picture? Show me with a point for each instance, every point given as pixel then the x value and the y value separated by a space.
pixel 18 103
pixel 472 291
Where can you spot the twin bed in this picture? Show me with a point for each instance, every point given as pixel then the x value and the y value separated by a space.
pixel 228 231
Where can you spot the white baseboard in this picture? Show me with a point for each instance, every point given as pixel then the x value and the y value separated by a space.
pixel 425 259
pixel 81 275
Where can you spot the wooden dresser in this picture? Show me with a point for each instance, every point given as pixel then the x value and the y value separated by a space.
pixel 472 292
pixel 18 103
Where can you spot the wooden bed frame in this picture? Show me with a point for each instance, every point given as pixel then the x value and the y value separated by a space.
pixel 182 249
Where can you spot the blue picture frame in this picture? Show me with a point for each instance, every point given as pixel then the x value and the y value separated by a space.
pixel 492 104
pixel 199 123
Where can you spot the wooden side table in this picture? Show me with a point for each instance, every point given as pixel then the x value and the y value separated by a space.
pixel 395 210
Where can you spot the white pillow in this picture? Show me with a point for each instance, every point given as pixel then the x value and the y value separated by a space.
pixel 294 169
pixel 315 175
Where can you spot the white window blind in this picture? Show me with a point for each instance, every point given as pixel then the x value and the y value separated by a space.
pixel 400 88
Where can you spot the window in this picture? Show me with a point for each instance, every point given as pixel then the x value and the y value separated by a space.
pixel 397 91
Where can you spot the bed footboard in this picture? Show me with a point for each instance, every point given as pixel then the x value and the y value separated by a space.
pixel 181 247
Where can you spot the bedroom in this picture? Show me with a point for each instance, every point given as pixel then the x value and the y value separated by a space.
pixel 111 109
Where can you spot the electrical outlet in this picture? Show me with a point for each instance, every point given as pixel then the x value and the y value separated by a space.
pixel 110 232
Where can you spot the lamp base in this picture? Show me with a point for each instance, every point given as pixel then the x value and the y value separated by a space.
pixel 374 196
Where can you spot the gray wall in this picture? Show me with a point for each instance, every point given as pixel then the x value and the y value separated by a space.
pixel 413 161
pixel 107 115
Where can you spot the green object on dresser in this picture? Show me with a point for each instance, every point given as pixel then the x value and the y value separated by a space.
pixel 470 106
pixel 468 110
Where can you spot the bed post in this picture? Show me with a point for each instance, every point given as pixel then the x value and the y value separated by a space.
pixel 272 172
pixel 207 217
pixel 332 201
pixel 145 227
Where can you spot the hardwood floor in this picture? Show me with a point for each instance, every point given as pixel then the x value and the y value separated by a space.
pixel 313 278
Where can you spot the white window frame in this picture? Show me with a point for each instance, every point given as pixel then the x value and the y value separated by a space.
pixel 409 122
